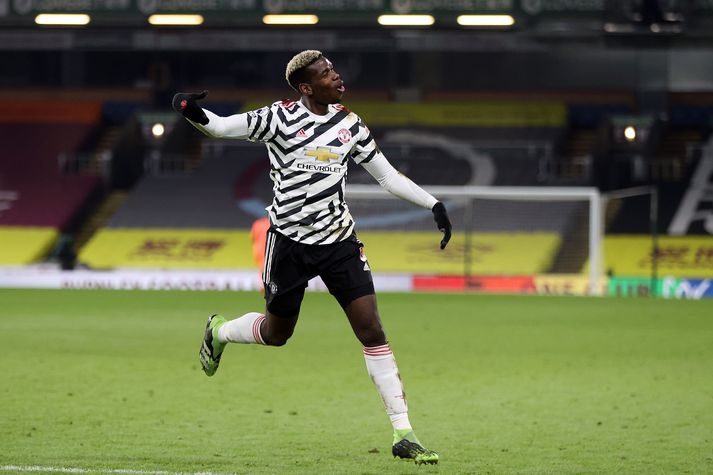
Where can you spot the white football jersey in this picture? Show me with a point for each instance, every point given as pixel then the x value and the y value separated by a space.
pixel 308 160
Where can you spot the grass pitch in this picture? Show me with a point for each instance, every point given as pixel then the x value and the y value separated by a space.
pixel 109 380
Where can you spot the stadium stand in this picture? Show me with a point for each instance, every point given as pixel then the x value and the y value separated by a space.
pixel 44 200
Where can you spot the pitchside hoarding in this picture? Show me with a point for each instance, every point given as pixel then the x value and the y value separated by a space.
pixel 667 287
pixel 44 277
pixel 679 256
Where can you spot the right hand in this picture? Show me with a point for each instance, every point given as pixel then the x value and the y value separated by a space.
pixel 185 103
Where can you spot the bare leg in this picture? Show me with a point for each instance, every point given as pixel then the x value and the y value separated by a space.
pixel 263 329
pixel 380 362
pixel 364 319
pixel 381 365
pixel 276 330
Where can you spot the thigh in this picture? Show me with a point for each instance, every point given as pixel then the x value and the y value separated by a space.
pixel 285 275
pixel 346 272
pixel 285 304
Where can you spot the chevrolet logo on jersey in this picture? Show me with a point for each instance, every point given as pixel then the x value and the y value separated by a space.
pixel 322 154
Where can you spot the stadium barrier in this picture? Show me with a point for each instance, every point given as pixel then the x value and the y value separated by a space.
pixel 667 287
pixel 417 251
pixel 168 249
pixel 244 280
pixel 677 256
pixel 494 253
pixel 23 245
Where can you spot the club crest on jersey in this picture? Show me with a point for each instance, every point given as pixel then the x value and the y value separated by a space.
pixel 344 135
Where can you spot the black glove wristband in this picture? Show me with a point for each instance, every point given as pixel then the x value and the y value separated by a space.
pixel 185 103
pixel 440 216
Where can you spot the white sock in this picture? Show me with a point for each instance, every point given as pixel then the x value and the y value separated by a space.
pixel 245 329
pixel 381 365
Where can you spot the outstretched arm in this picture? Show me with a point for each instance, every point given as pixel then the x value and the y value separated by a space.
pixel 234 126
pixel 399 185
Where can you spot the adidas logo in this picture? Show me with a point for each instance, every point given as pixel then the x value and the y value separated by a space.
pixel 301 133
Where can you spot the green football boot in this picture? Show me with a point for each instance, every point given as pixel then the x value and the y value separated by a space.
pixel 407 446
pixel 211 348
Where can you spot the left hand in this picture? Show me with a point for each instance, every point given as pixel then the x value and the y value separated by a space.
pixel 440 216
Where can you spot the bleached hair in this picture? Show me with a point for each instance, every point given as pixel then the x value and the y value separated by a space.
pixel 299 61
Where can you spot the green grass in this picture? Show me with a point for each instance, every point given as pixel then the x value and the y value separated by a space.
pixel 533 385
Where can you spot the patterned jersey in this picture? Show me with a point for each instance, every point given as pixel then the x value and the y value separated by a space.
pixel 308 161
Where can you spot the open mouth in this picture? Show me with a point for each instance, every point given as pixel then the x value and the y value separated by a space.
pixel 341 88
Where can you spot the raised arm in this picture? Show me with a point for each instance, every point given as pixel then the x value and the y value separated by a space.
pixel 233 127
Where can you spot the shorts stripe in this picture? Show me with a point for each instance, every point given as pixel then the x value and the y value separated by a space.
pixel 269 250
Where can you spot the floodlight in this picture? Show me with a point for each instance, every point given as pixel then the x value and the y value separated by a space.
pixel 75 19
pixel 630 133
pixel 176 20
pixel 485 20
pixel 158 130
pixel 406 20
pixel 290 19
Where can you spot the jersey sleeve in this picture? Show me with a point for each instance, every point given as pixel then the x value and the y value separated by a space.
pixel 365 149
pixel 260 125
pixel 263 123
pixel 396 183
pixel 231 127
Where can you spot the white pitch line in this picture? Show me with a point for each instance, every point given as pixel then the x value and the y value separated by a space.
pixel 34 468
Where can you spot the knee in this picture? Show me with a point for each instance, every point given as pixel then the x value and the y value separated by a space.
pixel 276 339
pixel 372 334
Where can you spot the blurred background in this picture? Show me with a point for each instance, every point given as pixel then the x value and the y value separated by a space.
pixel 569 140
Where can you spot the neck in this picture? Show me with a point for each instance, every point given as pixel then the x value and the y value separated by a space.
pixel 313 106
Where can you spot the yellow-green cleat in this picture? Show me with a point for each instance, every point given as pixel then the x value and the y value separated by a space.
pixel 211 348
pixel 407 446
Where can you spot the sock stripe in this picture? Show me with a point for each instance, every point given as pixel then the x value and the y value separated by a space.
pixel 381 350
pixel 256 329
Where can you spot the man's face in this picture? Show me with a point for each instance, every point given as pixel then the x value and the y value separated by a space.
pixel 325 84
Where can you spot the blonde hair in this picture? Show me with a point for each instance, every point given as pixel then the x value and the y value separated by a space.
pixel 299 61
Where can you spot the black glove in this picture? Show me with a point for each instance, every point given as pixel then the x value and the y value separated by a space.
pixel 185 103
pixel 440 216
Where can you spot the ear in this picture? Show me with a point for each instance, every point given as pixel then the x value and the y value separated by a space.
pixel 305 89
